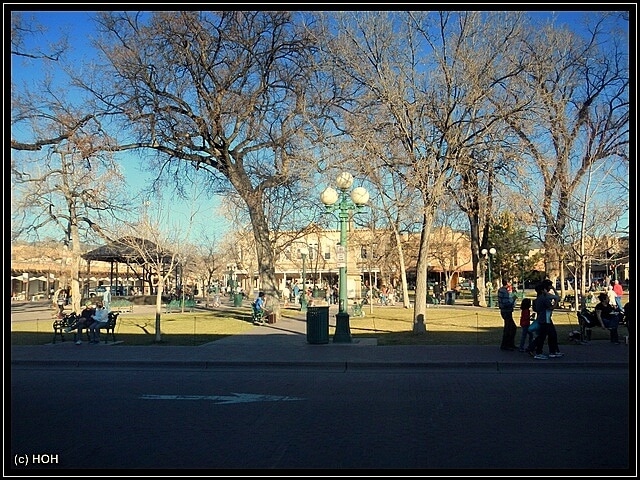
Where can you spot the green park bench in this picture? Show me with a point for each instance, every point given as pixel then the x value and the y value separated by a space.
pixel 432 300
pixel 121 306
pixel 356 309
pixel 176 306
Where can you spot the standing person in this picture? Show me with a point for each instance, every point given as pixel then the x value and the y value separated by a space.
pixel 506 303
pixel 62 300
pixel 543 305
pixel 525 321
pixel 100 319
pixel 296 292
pixel 617 288
pixel 607 315
pixel 611 294
pixel 552 299
pixel 286 293
pixel 436 292
pixel 106 298
pixel 58 302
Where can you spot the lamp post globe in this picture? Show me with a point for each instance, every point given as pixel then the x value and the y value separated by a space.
pixel 343 203
pixel 360 196
pixel 329 196
pixel 344 181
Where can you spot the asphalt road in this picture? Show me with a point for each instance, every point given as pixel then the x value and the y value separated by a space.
pixel 243 420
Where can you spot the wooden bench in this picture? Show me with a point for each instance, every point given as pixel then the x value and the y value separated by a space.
pixel 70 321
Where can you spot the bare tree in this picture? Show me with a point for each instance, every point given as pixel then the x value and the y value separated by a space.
pixel 447 240
pixel 587 232
pixel 423 82
pixel 71 189
pixel 397 208
pixel 226 94
pixel 34 115
pixel 161 245
pixel 65 182
pixel 26 41
pixel 208 264
pixel 579 118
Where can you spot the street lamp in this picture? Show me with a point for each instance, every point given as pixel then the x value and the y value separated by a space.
pixel 345 204
pixel 488 254
pixel 304 251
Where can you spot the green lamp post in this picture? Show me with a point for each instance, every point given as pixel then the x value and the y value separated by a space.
pixel 344 203
pixel 524 259
pixel 488 254
pixel 304 251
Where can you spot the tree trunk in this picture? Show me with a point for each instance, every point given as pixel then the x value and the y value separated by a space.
pixel 420 308
pixel 158 337
pixel 266 261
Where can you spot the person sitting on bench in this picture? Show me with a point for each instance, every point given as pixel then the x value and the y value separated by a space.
pixel 259 310
pixel 608 316
pixel 100 319
pixel 82 321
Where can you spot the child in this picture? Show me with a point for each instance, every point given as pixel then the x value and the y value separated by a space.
pixel 525 321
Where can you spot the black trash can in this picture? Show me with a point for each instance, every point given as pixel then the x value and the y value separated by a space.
pixel 237 300
pixel 317 325
pixel 450 297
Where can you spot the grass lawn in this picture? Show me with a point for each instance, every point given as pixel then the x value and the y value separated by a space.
pixel 178 329
pixel 446 325
pixel 464 325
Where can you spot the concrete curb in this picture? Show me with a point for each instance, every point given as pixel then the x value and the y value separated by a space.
pixel 323 364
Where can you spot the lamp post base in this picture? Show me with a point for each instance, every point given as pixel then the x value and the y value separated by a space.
pixel 303 304
pixel 343 331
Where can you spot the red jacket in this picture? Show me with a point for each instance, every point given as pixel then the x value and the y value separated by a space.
pixel 618 289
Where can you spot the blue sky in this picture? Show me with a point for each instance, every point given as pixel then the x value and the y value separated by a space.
pixel 79 26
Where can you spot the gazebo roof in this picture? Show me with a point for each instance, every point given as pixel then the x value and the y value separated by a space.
pixel 127 250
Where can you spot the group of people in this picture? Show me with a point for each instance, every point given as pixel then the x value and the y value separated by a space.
pixel 92 319
pixel 544 303
pixel 607 311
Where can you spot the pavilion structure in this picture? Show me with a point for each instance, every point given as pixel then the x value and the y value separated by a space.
pixel 134 263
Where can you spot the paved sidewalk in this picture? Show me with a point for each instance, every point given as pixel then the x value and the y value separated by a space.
pixel 284 345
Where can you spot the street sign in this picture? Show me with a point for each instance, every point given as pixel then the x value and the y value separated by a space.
pixel 341 256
